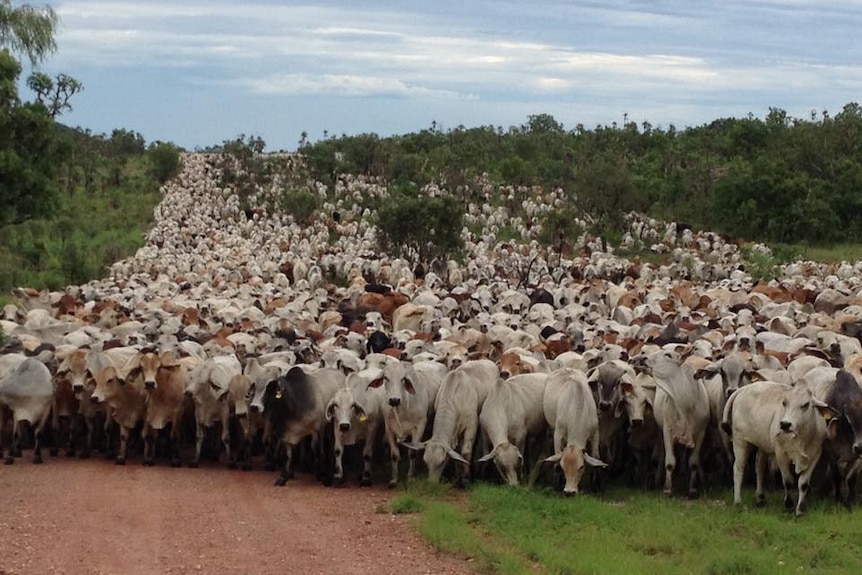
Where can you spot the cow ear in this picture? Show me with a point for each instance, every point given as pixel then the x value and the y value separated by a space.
pixel 330 410
pixel 759 347
pixel 706 372
pixel 828 413
pixel 168 359
pixel 408 386
pixel 360 412
pixel 554 458
pixel 592 461
pixel 375 383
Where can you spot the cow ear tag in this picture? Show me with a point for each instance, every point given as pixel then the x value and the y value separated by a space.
pixel 827 415
pixel 363 418
pixel 278 394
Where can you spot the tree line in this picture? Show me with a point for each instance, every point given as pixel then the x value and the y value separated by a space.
pixel 776 179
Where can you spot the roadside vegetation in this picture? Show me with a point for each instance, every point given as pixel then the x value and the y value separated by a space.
pixel 535 531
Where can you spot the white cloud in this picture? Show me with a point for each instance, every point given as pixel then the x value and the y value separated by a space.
pixel 343 85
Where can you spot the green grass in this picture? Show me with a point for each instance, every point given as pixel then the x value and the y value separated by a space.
pixel 530 531
pixel 831 254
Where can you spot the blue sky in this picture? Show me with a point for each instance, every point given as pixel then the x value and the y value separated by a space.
pixel 198 72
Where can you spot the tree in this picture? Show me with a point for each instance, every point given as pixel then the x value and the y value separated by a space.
pixel 28 151
pixel 421 228
pixel 27 30
pixel 54 94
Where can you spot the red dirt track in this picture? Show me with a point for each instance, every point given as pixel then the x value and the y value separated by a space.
pixel 93 517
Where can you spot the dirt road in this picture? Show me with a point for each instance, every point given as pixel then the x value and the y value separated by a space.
pixel 93 517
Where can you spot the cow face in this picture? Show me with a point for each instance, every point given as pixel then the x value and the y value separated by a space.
pixel 573 461
pixel 344 411
pixel 398 378
pixel 605 381
pixel 800 412
pixel 107 385
pixel 508 459
pixel 513 364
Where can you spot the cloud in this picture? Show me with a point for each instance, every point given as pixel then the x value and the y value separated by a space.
pixel 343 85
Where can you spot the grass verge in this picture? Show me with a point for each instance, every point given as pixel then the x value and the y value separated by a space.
pixel 513 531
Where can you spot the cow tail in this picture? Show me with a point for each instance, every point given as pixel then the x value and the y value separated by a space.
pixel 727 416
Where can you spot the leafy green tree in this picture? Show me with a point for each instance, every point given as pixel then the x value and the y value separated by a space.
pixel 421 228
pixel 28 151
pixel 164 160
pixel 27 30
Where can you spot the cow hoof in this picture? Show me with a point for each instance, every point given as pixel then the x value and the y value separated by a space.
pixel 668 493
pixel 37 458
pixel 9 460
pixel 365 482
pixel 693 494
pixel 231 464
pixel 176 463
pixel 392 484
pixel 70 453
pixel 149 463
pixel 760 501
pixel 53 452
pixel 799 513
pixel 246 466
pixel 84 455
pixel 281 481
pixel 15 452
pixel 193 464
pixel 120 460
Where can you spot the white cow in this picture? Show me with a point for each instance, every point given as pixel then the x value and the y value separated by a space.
pixel 570 411
pixel 781 420
pixel 27 391
pixel 511 412
pixel 682 411
pixel 208 384
pixel 456 418
pixel 411 390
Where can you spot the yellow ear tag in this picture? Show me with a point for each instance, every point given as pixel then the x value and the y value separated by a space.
pixel 827 415
pixel 363 418
pixel 755 377
pixel 278 394
pixel 627 393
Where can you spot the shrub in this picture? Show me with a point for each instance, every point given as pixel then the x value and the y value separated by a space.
pixel 164 161
pixel 421 228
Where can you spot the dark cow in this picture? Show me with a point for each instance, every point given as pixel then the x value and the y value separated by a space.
pixel 378 341
pixel 294 405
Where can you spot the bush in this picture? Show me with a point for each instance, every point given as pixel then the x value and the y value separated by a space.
pixel 301 204
pixel 421 228
pixel 164 161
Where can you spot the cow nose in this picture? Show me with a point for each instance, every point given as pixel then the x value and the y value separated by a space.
pixel 456 362
pixel 569 493
pixel 785 425
pixel 729 392
pixel 857 448
pixel 77 388
pixel 504 374
pixel 188 393
pixel 604 405
pixel 637 422
pixel 580 348
pixel 394 401
pixel 254 408
pixel 345 427
pixel 150 384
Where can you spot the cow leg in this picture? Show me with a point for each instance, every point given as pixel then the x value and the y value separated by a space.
pixel 88 445
pixel 669 461
pixel 287 470
pixel 367 458
pixel 338 452
pixel 740 454
pixel 786 479
pixel 804 485
pixel 394 457
pixel 225 441
pixel 200 431
pixel 57 428
pixel 174 442
pixel 124 445
pixel 462 470
pixel 694 466
pixel 37 438
pixel 760 473
pixel 73 435
pixel 149 437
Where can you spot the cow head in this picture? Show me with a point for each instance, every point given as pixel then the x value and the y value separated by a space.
pixel 437 453
pixel 800 412
pixel 573 461
pixel 508 459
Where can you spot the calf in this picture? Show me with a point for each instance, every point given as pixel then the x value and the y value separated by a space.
pixel 356 413
pixel 781 420
pixel 511 412
pixel 570 410
pixel 126 404
pixel 165 403
pixel 27 392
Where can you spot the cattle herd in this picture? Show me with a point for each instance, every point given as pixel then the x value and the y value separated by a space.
pixel 280 342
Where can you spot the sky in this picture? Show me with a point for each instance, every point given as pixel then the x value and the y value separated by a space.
pixel 199 72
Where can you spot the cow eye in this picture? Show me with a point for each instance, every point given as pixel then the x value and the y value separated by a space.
pixel 805 405
pixel 783 403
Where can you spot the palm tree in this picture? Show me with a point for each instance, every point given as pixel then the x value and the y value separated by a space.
pixel 27 30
